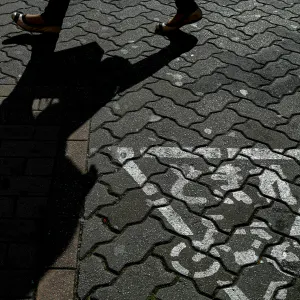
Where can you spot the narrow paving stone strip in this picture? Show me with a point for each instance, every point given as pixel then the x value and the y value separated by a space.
pixel 135 168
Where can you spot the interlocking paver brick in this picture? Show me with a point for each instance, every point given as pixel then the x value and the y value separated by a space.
pixel 97 197
pixel 268 54
pixel 238 74
pixel 205 233
pixel 199 195
pixel 244 63
pixel 131 35
pixel 139 143
pixel 102 116
pixel 169 130
pixel 290 292
pixel 137 281
pixel 248 109
pixel 208 84
pixel 183 116
pixel 131 209
pixel 105 8
pixel 131 11
pixel 259 26
pixel 289 45
pixel 286 33
pixel 176 78
pixel 225 11
pixel 99 138
pixel 95 231
pixel 276 69
pixel 205 36
pixel 131 23
pixel 255 281
pixel 246 245
pixel 221 30
pixel 262 40
pixel 183 289
pixel 92 272
pixel 219 19
pixel 258 96
pixel 102 163
pixel 202 52
pixel 287 254
pixel 213 102
pixel 133 244
pixel 197 263
pixel 218 123
pixel 237 211
pixel 133 50
pixel 229 176
pixel 246 5
pixel 250 15
pixel 279 217
pixel 231 138
pixel 283 13
pixel 99 16
pixel 283 86
pixel 102 31
pixel 277 20
pixel 277 3
pixel 160 6
pixel 204 67
pixel 288 105
pixel 236 47
pixel 292 129
pixel 133 101
pixel 255 131
pixel 131 122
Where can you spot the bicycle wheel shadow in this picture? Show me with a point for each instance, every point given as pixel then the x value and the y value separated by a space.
pixel 42 190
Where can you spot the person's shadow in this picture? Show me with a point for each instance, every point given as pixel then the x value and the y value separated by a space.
pixel 47 202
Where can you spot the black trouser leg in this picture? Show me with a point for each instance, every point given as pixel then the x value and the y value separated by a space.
pixel 55 11
pixel 186 6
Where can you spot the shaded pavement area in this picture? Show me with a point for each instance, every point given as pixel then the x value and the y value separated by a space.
pixel 134 166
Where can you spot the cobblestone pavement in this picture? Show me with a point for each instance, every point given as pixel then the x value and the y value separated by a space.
pixel 191 183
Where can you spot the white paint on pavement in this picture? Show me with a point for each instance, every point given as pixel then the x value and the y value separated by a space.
pixel 295 230
pixel 261 233
pixel 274 285
pixel 135 172
pixel 245 257
pixel 175 220
pixel 267 181
pixel 235 293
pixel 169 152
pixel 243 197
pixel 177 249
pixel 213 269
pixel 179 268
pixel 229 174
pixel 280 252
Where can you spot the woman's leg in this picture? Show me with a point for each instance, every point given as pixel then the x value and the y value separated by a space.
pixel 55 11
pixel 186 6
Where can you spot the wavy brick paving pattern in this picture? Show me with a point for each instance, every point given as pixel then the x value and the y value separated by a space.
pixel 198 165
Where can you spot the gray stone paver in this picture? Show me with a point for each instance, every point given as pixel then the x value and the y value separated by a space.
pixel 189 185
